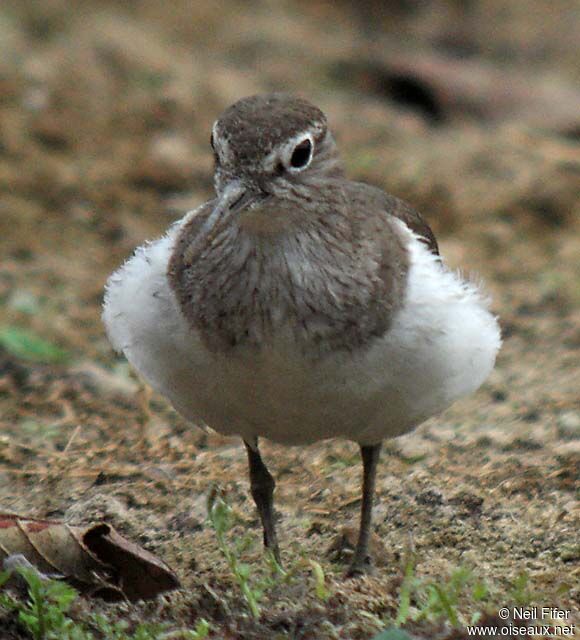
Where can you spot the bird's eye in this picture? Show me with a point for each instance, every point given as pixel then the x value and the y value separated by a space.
pixel 302 154
pixel 211 142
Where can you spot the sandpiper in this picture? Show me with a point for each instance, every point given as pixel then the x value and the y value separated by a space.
pixel 298 305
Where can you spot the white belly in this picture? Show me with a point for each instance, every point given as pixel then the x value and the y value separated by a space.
pixel 441 346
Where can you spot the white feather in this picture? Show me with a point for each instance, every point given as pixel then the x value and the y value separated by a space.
pixel 441 346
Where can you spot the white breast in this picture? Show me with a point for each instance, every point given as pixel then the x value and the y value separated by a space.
pixel 441 346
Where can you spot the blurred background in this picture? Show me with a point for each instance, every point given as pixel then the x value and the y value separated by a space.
pixel 468 109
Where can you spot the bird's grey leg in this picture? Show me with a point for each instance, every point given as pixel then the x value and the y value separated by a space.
pixel 262 486
pixel 361 561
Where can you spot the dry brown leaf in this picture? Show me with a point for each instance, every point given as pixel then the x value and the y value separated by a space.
pixel 95 559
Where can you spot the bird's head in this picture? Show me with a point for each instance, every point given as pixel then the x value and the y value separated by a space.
pixel 273 155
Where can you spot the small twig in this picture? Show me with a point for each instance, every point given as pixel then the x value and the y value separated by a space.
pixel 73 436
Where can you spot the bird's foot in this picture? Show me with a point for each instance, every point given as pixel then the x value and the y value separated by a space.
pixel 360 567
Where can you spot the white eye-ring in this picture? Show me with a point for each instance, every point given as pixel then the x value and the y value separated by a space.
pixel 300 155
pixel 219 145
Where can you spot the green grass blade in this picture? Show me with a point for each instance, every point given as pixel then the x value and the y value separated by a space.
pixel 25 345
pixel 405 595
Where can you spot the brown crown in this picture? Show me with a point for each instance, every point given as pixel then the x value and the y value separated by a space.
pixel 256 125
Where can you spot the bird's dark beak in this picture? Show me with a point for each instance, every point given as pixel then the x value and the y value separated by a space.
pixel 236 197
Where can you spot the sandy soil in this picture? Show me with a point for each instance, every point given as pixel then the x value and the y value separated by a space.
pixel 105 114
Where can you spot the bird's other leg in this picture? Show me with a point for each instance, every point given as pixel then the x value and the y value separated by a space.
pixel 262 486
pixel 361 562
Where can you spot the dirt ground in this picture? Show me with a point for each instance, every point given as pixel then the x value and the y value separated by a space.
pixel 105 112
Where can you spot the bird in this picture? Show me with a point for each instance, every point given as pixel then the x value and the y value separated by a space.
pixel 298 305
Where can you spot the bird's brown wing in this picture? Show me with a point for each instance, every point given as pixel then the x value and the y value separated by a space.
pixel 414 220
pixel 378 200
